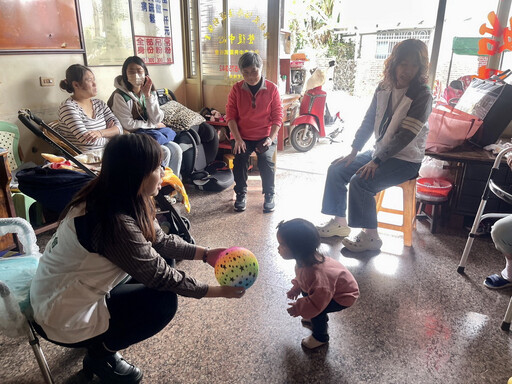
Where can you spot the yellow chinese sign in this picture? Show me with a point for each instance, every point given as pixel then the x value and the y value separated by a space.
pixel 247 33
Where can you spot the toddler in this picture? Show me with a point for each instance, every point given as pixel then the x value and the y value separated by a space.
pixel 326 285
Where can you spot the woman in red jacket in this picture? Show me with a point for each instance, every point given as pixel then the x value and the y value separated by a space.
pixel 254 114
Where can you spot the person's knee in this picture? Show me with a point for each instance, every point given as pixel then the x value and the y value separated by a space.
pixel 166 305
pixel 501 232
pixel 174 149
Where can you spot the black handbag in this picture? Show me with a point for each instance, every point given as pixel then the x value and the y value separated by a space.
pixel 489 100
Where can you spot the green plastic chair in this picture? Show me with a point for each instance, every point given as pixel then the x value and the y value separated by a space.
pixel 9 139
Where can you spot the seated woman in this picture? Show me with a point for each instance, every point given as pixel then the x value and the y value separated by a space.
pixel 397 117
pixel 501 234
pixel 86 122
pixel 109 233
pixel 135 104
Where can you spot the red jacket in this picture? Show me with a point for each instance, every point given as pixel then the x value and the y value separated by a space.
pixel 323 282
pixel 254 120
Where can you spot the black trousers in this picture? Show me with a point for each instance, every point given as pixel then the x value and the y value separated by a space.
pixel 320 322
pixel 266 167
pixel 136 313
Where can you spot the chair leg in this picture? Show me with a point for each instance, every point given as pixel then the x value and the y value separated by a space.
pixel 505 325
pixel 379 198
pixel 38 352
pixel 409 207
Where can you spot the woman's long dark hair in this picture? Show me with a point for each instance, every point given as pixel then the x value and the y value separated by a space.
pixel 136 60
pixel 302 239
pixel 127 161
pixel 402 51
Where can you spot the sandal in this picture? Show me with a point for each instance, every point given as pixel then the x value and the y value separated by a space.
pixel 362 242
pixel 497 282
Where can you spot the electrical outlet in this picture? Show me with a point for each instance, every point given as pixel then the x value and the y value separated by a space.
pixel 46 81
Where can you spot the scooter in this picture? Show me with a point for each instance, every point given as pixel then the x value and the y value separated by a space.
pixel 314 117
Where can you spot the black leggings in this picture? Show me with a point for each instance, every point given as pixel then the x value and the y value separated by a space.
pixel 136 313
pixel 320 321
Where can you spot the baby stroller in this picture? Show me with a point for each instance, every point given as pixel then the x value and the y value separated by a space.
pixel 200 144
pixel 54 188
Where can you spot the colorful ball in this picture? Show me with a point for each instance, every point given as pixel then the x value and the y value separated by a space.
pixel 236 267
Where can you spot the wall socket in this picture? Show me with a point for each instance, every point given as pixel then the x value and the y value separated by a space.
pixel 46 81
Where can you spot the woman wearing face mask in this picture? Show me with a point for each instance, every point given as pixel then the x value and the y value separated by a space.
pixel 86 122
pixel 135 104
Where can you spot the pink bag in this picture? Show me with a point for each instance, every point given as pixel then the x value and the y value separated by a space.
pixel 449 128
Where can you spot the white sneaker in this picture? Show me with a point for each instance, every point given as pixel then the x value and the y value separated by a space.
pixel 311 343
pixel 362 242
pixel 332 228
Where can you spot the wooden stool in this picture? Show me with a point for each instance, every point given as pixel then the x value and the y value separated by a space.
pixel 408 213
pixel 436 204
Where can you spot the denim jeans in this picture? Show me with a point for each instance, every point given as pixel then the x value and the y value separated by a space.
pixel 361 193
pixel 176 156
pixel 266 167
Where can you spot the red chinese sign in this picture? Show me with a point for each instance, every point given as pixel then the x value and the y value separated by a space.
pixel 154 50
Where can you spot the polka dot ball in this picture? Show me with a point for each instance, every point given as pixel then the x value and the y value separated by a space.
pixel 236 267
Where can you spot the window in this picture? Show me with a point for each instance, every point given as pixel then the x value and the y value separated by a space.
pixel 227 29
pixel 386 40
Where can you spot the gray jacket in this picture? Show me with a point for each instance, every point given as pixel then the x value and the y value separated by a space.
pixel 401 134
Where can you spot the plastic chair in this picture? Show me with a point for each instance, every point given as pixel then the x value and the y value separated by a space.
pixel 408 211
pixel 16 274
pixel 9 139
pixel 490 186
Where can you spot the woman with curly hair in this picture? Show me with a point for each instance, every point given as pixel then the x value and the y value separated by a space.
pixel 397 118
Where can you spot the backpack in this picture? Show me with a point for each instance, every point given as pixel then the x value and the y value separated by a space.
pixel 200 145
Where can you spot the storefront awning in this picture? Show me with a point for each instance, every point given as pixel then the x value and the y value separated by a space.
pixel 465 46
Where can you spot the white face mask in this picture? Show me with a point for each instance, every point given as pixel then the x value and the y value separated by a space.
pixel 136 79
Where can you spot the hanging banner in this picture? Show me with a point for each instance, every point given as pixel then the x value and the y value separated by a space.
pixel 152 31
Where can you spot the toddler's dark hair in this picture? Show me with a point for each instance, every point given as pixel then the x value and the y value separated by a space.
pixel 303 240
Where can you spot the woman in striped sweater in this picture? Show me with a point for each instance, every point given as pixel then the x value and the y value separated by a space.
pixel 87 122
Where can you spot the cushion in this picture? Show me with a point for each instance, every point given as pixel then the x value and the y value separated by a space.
pixel 179 117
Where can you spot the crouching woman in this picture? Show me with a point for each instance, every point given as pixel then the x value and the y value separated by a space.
pixel 105 280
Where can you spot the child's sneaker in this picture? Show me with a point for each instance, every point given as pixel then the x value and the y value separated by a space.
pixel 362 242
pixel 332 228
pixel 311 343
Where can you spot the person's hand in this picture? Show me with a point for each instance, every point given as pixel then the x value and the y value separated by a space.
pixel 225 291
pixel 348 159
pixel 213 255
pixel 292 295
pixel 267 142
pixel 367 170
pixel 509 159
pixel 160 125
pixel 92 136
pixel 239 147
pixel 146 88
pixel 292 310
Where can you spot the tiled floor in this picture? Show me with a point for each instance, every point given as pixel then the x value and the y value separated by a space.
pixel 417 320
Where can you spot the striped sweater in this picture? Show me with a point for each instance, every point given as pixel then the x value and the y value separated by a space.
pixel 74 123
